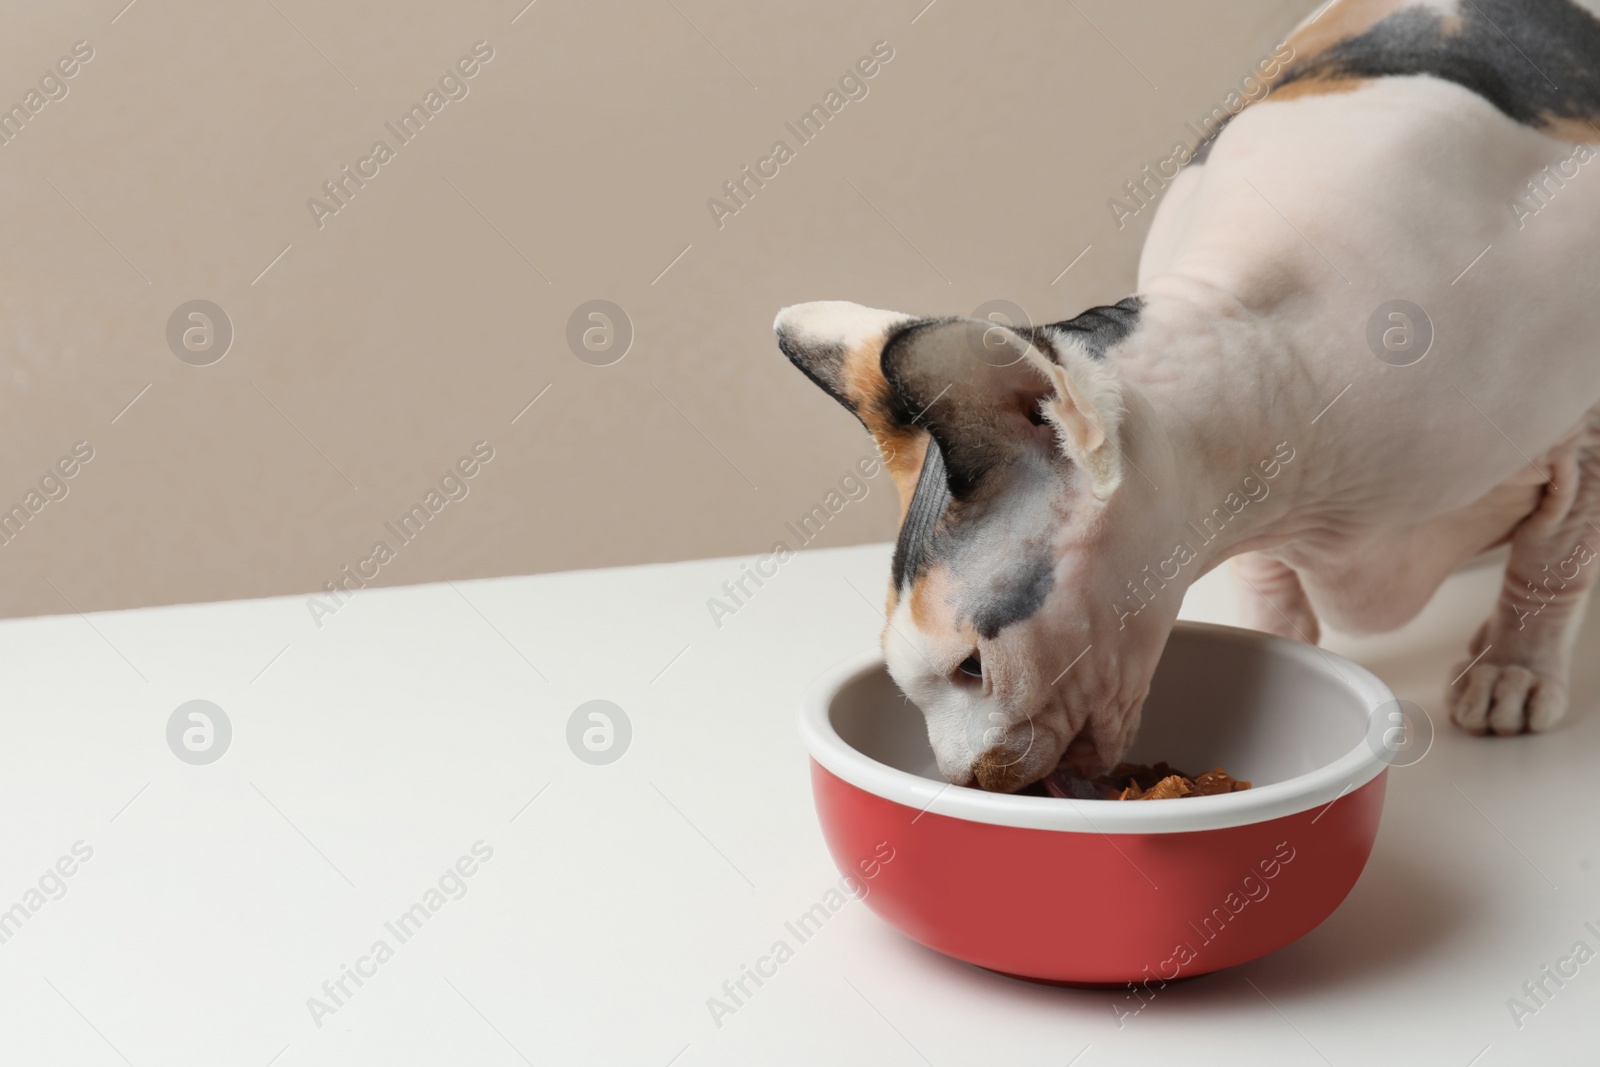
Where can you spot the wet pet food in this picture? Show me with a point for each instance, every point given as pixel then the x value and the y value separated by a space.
pixel 1137 781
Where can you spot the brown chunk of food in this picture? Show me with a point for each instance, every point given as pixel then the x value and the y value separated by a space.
pixel 1137 781
pixel 1173 785
pixel 1216 781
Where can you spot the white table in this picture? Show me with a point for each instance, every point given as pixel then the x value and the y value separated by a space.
pixel 373 753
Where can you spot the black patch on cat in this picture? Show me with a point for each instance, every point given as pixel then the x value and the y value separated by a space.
pixel 1100 328
pixel 918 545
pixel 903 407
pixel 822 362
pixel 929 502
pixel 1017 600
pixel 966 453
pixel 1534 60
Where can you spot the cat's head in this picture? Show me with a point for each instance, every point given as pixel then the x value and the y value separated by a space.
pixel 1013 620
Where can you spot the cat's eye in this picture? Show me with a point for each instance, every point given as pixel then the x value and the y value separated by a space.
pixel 971 666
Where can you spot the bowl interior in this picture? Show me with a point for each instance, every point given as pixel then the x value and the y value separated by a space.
pixel 1262 708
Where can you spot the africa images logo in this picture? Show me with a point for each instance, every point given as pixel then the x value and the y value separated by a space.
pixel 451 885
pixel 852 86
pixel 453 85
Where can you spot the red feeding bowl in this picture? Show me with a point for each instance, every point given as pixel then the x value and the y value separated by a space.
pixel 1087 892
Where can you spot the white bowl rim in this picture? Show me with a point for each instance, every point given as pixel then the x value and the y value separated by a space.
pixel 1316 788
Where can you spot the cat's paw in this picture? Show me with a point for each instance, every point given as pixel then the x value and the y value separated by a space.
pixel 1507 699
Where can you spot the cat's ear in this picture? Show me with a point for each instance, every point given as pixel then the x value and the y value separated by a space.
pixel 981 391
pixel 1085 407
pixel 987 393
pixel 839 346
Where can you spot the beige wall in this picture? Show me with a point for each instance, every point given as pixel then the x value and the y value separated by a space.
pixel 427 312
